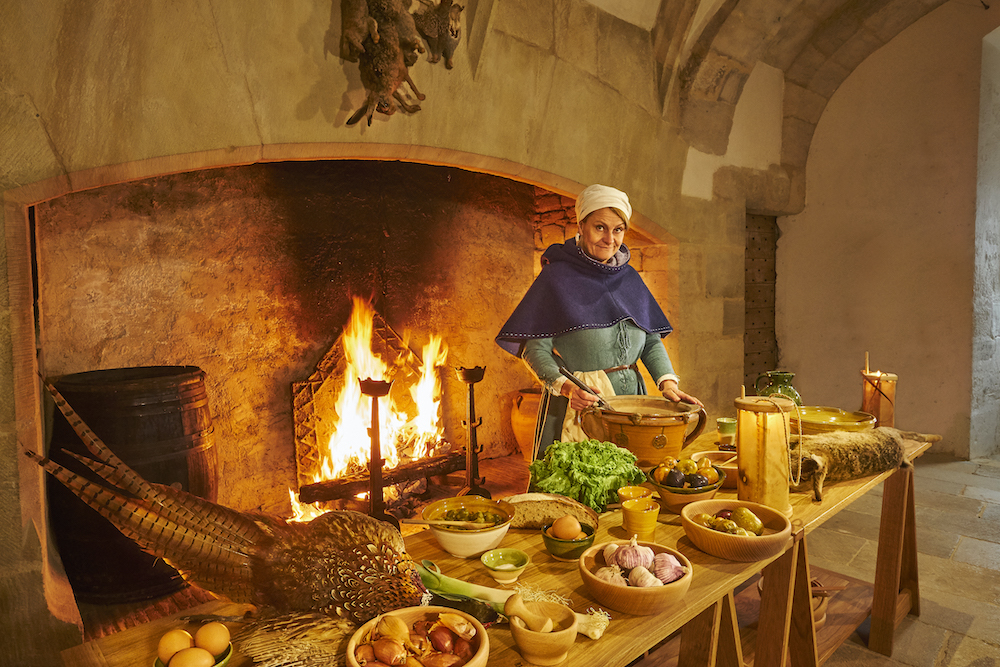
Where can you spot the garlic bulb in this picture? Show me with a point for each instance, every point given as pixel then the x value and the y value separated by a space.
pixel 667 568
pixel 641 577
pixel 609 553
pixel 633 555
pixel 611 575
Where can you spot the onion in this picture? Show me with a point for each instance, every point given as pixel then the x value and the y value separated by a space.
pixel 364 654
pixel 389 651
pixel 442 639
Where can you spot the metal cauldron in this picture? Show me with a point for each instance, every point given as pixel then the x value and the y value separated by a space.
pixel 651 427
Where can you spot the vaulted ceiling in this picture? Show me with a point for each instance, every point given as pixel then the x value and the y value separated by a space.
pixel 706 49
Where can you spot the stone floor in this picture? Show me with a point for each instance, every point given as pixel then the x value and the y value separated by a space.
pixel 958 544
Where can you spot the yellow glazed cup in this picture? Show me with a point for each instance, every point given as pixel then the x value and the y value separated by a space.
pixel 639 517
pixel 631 492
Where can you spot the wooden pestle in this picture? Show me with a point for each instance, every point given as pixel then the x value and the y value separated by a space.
pixel 515 607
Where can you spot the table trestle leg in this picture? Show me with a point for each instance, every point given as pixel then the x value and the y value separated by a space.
pixel 712 638
pixel 897 591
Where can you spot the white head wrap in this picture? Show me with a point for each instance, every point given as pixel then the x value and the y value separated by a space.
pixel 596 197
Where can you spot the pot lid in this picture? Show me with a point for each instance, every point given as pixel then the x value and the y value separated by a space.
pixel 774 403
pixel 652 406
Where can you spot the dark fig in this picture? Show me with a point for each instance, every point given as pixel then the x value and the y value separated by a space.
pixel 696 480
pixel 674 478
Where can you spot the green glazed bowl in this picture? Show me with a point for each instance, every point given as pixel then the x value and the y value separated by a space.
pixel 568 550
pixel 505 565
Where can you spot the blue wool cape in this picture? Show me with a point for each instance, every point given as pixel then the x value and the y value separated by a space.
pixel 575 292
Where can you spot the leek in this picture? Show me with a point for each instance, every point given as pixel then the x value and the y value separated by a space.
pixel 592 624
pixel 450 587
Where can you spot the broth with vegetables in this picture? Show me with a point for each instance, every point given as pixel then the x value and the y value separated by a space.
pixel 463 514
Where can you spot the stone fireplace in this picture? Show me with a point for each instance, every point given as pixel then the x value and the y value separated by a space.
pixel 249 272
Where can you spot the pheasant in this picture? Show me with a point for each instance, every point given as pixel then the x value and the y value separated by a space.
pixel 323 577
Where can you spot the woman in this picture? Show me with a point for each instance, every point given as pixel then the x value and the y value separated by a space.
pixel 590 312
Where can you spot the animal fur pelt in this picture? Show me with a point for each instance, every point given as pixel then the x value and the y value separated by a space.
pixel 846 455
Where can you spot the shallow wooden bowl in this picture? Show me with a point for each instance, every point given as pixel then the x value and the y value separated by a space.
pixel 633 599
pixel 777 531
pixel 410 615
pixel 719 459
pixel 546 648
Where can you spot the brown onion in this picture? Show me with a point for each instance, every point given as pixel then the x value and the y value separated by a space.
pixel 462 648
pixel 389 651
pixel 364 654
pixel 442 639
pixel 419 643
pixel 442 660
pixel 422 627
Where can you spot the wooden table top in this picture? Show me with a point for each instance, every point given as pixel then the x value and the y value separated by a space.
pixel 626 638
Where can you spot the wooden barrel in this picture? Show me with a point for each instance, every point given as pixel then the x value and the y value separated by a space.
pixel 157 420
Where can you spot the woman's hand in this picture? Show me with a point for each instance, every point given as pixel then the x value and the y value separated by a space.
pixel 578 398
pixel 672 392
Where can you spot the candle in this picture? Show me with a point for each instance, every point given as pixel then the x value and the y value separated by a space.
pixel 762 439
pixel 878 396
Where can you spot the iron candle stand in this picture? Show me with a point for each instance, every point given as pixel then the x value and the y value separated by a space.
pixel 473 482
pixel 376 389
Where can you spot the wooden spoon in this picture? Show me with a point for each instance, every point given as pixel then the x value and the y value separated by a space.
pixel 445 522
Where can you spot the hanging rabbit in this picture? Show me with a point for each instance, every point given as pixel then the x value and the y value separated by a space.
pixel 441 26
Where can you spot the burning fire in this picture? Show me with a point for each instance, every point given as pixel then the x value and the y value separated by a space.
pixel 350 444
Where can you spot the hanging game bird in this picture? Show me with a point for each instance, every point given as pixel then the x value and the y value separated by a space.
pixel 311 581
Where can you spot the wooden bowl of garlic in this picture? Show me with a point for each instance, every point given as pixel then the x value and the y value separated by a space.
pixel 635 577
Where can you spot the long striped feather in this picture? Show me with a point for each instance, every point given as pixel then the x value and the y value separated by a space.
pixel 183 508
pixel 209 563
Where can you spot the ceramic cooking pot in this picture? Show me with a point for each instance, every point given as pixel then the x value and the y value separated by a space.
pixel 651 427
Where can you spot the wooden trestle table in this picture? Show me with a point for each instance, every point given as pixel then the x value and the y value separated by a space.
pixel 722 621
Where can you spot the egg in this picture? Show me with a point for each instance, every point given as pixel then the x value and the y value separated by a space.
pixel 213 637
pixel 566 527
pixel 192 657
pixel 172 642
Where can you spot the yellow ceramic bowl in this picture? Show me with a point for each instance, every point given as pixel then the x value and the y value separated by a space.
pixel 821 419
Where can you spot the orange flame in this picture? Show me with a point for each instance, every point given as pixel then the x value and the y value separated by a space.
pixel 350 443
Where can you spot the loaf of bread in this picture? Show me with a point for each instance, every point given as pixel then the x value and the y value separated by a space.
pixel 536 510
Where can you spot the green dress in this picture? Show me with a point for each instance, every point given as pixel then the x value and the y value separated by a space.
pixel 622 344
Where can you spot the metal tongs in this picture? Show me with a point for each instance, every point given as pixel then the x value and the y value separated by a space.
pixel 579 383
